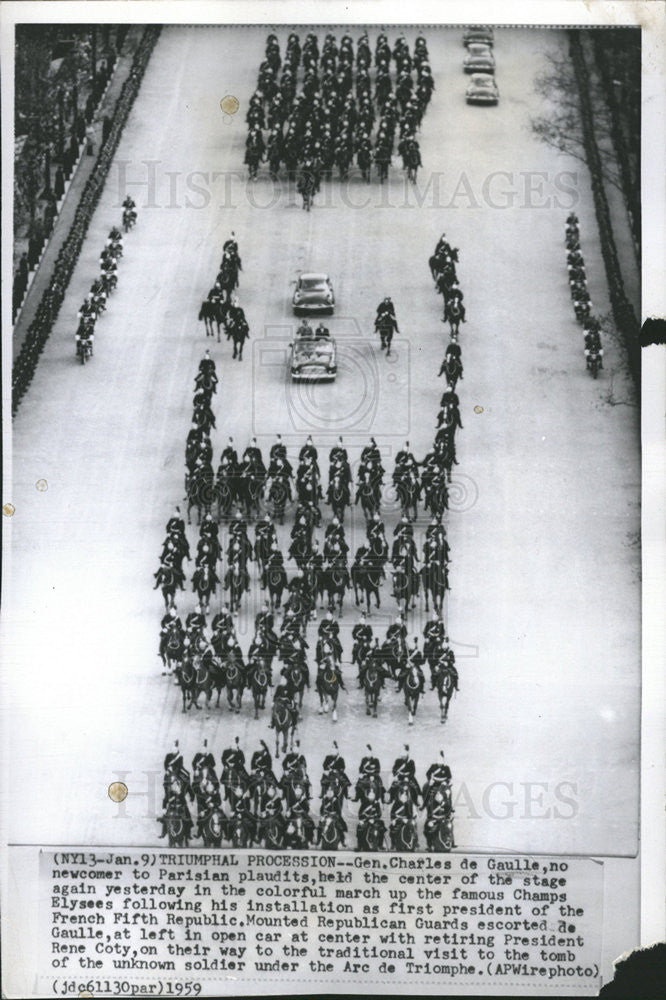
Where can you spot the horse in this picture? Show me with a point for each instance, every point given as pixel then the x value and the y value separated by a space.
pixel 435 263
pixel 338 497
pixel 445 684
pixel 367 495
pixel 300 549
pixel 412 691
pixel 296 675
pixel 171 646
pixel 262 549
pixel 274 159
pixel 439 834
pixel 445 281
pixel 225 492
pixel 234 681
pixel 186 675
pixel 239 331
pixel 210 677
pixel 370 835
pixel 378 552
pixel 343 158
pixel 259 686
pixel 206 381
pixel 409 490
pixel 249 489
pixel 366 576
pixel 240 829
pixel 453 312
pixel 263 647
pixel 270 832
pixel 336 787
pixel 295 784
pixel 436 498
pixel 235 784
pixel 275 578
pixel 328 688
pixel 319 588
pixel 385 326
pixel 168 581
pixel 176 823
pixel 290 157
pixel 307 488
pixel 219 641
pixel 211 313
pixel 373 682
pixel 299 832
pixel 213 827
pixel 335 581
pixel 278 494
pixel 393 655
pixel 369 788
pixel 330 832
pixel 284 716
pixel 202 680
pixel 445 442
pixel 382 162
pixel 413 161
pixel 236 581
pixel 453 369
pixel 403 835
pixel 204 784
pixel 364 160
pixel 227 277
pixel 435 581
pixel 200 487
pixel 445 453
pixel 300 603
pixel 306 186
pixel 204 583
pixel 258 791
pixel 176 786
pixel 312 576
pixel 405 586
pixel 433 649
pixel 253 159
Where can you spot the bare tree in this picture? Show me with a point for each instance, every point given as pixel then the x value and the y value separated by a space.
pixel 561 126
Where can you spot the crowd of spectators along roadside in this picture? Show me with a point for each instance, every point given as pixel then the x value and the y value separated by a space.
pixel 49 305
pixel 41 228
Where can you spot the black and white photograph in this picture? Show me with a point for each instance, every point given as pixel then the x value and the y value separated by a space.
pixel 323 471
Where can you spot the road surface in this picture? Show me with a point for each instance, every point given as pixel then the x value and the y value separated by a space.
pixel 542 738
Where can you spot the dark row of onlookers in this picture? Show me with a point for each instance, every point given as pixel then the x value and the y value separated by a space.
pixel 68 157
pixel 49 305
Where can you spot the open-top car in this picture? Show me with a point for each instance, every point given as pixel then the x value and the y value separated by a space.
pixel 478 33
pixel 482 89
pixel 313 359
pixel 313 294
pixel 479 59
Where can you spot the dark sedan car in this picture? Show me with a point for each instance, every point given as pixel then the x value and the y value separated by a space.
pixel 478 33
pixel 482 89
pixel 313 294
pixel 479 59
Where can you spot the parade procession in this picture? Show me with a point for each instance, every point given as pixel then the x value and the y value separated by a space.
pixel 201 648
pixel 326 484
